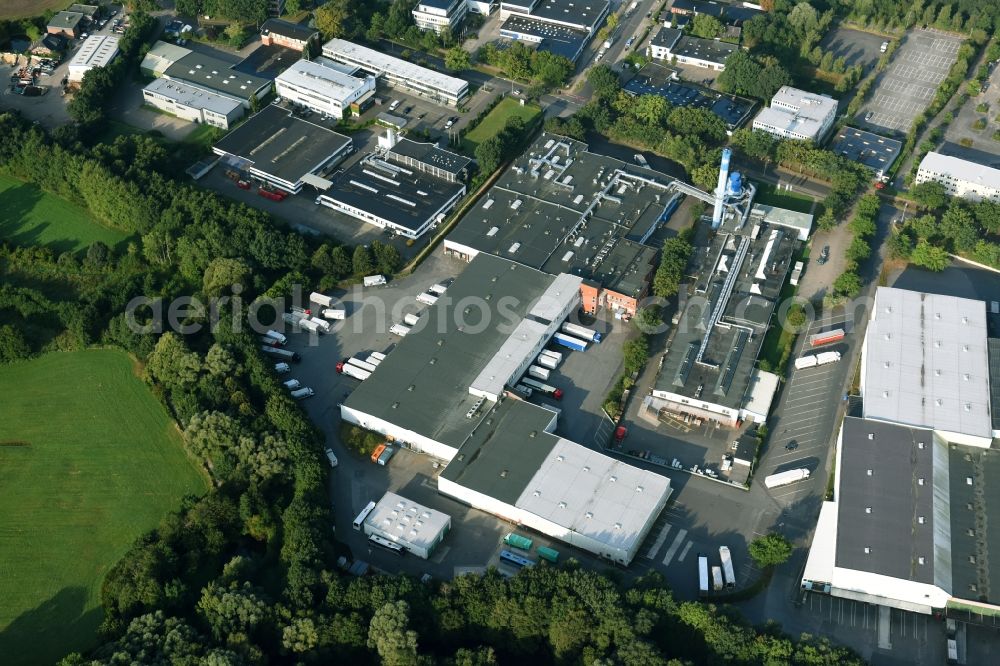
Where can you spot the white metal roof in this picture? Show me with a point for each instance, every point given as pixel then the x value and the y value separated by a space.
pixel 594 495
pixel 382 63
pixel 797 111
pixel 97 51
pixel 926 362
pixel 963 170
pixel 822 553
pixel 522 342
pixel 407 522
pixel 321 79
pixel 552 303
pixel 193 96
pixel 763 386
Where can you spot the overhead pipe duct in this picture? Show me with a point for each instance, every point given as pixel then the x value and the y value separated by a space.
pixel 720 190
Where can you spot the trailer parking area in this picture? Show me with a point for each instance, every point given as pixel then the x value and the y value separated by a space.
pixel 907 87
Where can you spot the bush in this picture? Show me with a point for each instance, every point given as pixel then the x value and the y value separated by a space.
pixel 965 141
pixel 982 107
pixel 770 550
pixel 358 439
pixel 980 124
pixel 996 135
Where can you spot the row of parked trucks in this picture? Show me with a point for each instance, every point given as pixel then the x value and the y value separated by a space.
pixel 814 360
pixel 721 576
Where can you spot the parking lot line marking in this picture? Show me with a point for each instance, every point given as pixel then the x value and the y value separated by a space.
pixel 804 391
pixel 678 540
pixel 655 548
pixel 816 414
pixel 687 547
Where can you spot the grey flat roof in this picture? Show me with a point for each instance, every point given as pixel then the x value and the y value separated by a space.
pixel 432 155
pixel 993 350
pixel 973 507
pixel 700 7
pixel 666 37
pixel 873 151
pixel 389 191
pixel 579 12
pixel 216 75
pixel 655 79
pixel 710 50
pixel 730 353
pixel 380 63
pixel 288 29
pixel 282 145
pixel 557 39
pixel 538 216
pixel 893 493
pixel 193 96
pixel 423 385
pixel 65 20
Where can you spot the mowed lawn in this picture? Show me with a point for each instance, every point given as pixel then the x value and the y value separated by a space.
pixel 495 121
pixel 89 461
pixel 30 216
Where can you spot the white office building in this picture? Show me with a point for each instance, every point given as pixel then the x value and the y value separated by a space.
pixel 323 86
pixel 192 103
pixel 97 51
pixel 797 114
pixel 415 528
pixel 960 178
pixel 399 73
pixel 437 15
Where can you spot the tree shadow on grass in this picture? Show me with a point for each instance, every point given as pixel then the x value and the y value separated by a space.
pixel 49 631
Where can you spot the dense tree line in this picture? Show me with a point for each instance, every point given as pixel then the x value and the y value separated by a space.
pixel 966 16
pixel 950 226
pixel 542 69
pixel 863 227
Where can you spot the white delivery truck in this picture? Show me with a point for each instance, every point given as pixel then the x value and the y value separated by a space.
pixel 703 574
pixel 282 368
pixel 323 324
pixel 334 313
pixel 411 319
pixel 786 477
pixel 292 384
pixel 399 329
pixel 539 372
pixel 808 361
pixel 717 578
pixel 309 325
pixel 320 299
pixel 374 280
pixel 302 393
pixel 547 362
pixel 277 336
pixel 827 357
pixel 437 289
pixel 727 566
pixel 427 298
pixel 354 371
pixel 361 364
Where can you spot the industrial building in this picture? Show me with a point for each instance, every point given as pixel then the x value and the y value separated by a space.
pixel 416 528
pixel 283 150
pixel 68 24
pixel 276 32
pixel 407 190
pixel 797 114
pixel 97 51
pixel 672 45
pixel 657 79
pixel 735 12
pixel 878 153
pixel 444 390
pixel 926 365
pixel 160 57
pixel 192 103
pixel 438 15
pixel 558 39
pixel 323 86
pixel 563 209
pixel 399 73
pixel 562 27
pixel 961 178
pixel 218 76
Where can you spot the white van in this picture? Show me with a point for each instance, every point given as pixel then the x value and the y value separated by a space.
pixel 303 393
pixel 292 384
pixel 282 368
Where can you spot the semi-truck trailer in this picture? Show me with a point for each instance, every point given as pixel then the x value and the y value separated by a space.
pixel 523 391
pixel 291 384
pixel 334 313
pixel 581 332
pixel 550 391
pixel 576 344
pixel 399 329
pixel 786 477
pixel 309 325
pixel 282 368
pixel 717 581
pixel 371 360
pixel 727 566
pixel 374 280
pixel 292 317
pixel 808 361
pixel 539 372
pixel 271 341
pixel 411 319
pixel 554 354
pixel 518 541
pixel 548 554
pixel 547 362
pixel 277 336
pixel 437 288
pixel 427 298
pixel 702 574
pixel 379 355
pixel 320 299
pixel 825 338
pixel 323 324
pixel 282 353
pixel 354 371
pixel 827 357
pixel 361 364
pixel 303 393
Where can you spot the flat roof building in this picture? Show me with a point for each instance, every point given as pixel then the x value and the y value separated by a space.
pixel 321 87
pixel 416 528
pixel 878 153
pixel 160 57
pixel 563 209
pixel 97 51
pixel 404 191
pixel 926 365
pixel 657 79
pixel 437 15
pixel 444 391
pixel 290 35
pixel 65 23
pixel 961 178
pixel 192 103
pixel 219 77
pixel 90 11
pixel 670 43
pixel 797 114
pixel 418 80
pixel 283 150
pixel 578 14
pixel 552 37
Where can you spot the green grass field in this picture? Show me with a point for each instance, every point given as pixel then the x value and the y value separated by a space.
pixel 495 121
pixel 30 216
pixel 15 9
pixel 769 195
pixel 89 461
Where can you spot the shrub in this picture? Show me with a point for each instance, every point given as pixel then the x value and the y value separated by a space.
pixel 980 124
pixel 982 107
pixel 358 439
pixel 965 141
pixel 770 550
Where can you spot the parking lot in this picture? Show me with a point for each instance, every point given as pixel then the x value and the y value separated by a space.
pixel 907 87
pixel 854 46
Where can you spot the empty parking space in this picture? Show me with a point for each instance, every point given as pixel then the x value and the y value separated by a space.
pixel 907 87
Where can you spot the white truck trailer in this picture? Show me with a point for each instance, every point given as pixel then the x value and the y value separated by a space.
pixel 539 372
pixel 727 566
pixel 323 324
pixel 334 313
pixel 807 361
pixel 399 329
pixel 411 319
pixel 282 368
pixel 554 354
pixel 292 317
pixel 309 325
pixel 427 298
pixel 361 364
pixel 374 280
pixel 437 289
pixel 281 353
pixel 379 355
pixel 547 362
pixel 717 581
pixel 786 477
pixel 320 299
pixel 277 336
pixel 291 384
pixel 372 360
pixel 703 574
pixel 354 371
pixel 581 332
pixel 827 357
pixel 302 393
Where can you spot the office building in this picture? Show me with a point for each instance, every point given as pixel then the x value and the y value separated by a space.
pixel 68 24
pixel 192 103
pixel 797 114
pixel 663 81
pixel 97 51
pixel 415 528
pixel 878 153
pixel 445 391
pixel 673 46
pixel 323 87
pixel 437 15
pixel 399 73
pixel 961 178
pixel 276 32
pixel 562 27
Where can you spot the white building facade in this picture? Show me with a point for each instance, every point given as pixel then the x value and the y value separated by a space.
pixel 960 178
pixel 97 51
pixel 797 114
pixel 319 86
pixel 437 15
pixel 414 527
pixel 192 103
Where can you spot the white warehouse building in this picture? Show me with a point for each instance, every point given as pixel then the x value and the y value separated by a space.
pixel 192 103
pixel 797 114
pixel 960 178
pixel 97 51
pixel 415 528
pixel 323 86
pixel 444 391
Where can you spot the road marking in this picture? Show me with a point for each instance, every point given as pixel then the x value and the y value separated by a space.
pixel 687 547
pixel 673 547
pixel 655 548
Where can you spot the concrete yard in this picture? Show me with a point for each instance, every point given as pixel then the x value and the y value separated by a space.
pixel 907 87
pixel 855 46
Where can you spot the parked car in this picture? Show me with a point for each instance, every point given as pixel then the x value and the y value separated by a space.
pixel 824 256
pixel 451 121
